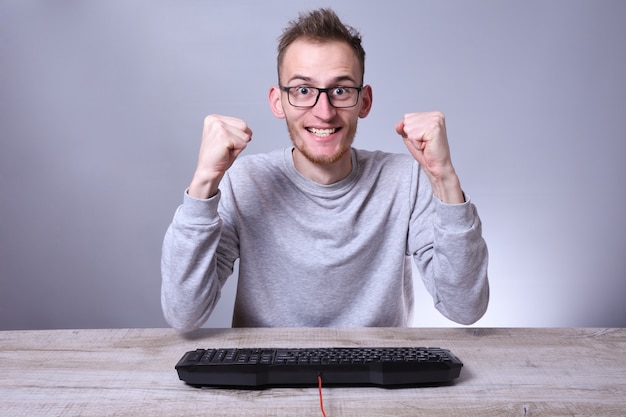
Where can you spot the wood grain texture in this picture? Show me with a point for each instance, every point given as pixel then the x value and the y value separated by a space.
pixel 130 372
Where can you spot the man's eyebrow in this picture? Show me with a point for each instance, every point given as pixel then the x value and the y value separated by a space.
pixel 299 78
pixel 334 81
pixel 345 78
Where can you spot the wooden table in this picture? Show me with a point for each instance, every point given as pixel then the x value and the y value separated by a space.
pixel 130 372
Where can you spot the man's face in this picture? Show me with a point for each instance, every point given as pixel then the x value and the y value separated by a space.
pixel 322 133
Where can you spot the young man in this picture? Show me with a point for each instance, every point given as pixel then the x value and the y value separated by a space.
pixel 325 233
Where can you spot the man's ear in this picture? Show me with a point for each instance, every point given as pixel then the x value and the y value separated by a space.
pixel 276 103
pixel 366 101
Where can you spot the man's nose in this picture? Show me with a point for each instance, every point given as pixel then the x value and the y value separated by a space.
pixel 323 109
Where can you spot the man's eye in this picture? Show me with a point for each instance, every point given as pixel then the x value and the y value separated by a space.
pixel 302 91
pixel 339 91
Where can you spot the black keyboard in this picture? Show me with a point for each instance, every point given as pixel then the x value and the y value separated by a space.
pixel 261 368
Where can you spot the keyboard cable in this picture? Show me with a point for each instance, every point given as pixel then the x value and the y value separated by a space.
pixel 319 387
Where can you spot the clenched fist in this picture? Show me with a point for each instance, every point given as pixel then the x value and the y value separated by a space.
pixel 425 137
pixel 223 139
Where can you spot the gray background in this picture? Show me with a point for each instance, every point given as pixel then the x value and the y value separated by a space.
pixel 101 109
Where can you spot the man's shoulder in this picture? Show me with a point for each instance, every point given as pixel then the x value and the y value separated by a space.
pixel 384 159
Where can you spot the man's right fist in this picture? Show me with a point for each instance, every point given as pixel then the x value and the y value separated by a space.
pixel 223 139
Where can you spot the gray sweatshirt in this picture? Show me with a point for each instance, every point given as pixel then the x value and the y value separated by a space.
pixel 314 255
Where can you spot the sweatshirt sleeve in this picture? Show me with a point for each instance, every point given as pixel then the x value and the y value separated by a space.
pixel 190 285
pixel 451 254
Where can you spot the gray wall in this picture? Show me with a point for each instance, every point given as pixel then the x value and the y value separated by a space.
pixel 101 108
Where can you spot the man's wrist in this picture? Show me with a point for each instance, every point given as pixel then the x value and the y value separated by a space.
pixel 203 188
pixel 448 189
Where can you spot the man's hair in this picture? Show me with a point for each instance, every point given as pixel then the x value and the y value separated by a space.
pixel 321 25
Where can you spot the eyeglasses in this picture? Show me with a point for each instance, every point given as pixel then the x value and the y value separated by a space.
pixel 306 97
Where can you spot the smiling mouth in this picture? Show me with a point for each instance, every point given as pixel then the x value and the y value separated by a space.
pixel 322 133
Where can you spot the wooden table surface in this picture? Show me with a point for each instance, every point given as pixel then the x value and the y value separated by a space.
pixel 130 372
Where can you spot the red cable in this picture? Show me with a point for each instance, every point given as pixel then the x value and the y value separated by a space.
pixel 319 387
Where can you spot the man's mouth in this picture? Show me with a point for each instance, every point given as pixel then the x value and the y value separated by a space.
pixel 322 133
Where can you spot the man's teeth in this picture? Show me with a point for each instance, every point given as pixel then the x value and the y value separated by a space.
pixel 321 132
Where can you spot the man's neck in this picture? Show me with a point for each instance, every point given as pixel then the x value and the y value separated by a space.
pixel 324 174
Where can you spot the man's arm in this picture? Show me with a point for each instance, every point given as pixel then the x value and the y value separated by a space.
pixel 453 259
pixel 190 286
pixel 190 269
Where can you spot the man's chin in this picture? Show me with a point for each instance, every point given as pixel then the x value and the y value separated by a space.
pixel 323 159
